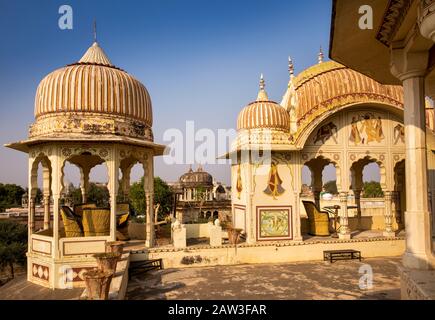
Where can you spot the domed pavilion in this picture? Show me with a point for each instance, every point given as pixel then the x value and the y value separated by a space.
pixel 330 115
pixel 87 113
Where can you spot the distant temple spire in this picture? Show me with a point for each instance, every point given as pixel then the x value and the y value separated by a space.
pixel 321 55
pixel 291 67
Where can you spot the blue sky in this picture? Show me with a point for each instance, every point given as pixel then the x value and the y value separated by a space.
pixel 200 60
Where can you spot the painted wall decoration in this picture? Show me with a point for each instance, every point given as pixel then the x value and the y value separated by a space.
pixel 366 128
pixel 274 223
pixel 399 134
pixel 40 272
pixel 274 187
pixel 239 186
pixel 327 132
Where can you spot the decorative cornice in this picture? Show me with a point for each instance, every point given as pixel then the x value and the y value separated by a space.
pixel 393 17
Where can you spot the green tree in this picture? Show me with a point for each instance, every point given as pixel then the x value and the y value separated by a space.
pixel 163 195
pixel 137 197
pixel 372 189
pixel 13 245
pixel 98 194
pixel 331 187
pixel 10 196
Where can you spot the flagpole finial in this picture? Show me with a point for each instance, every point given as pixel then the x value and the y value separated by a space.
pixel 95 30
pixel 321 55
pixel 291 67
pixel 262 83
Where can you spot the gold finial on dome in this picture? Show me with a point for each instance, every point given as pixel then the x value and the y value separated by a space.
pixel 291 67
pixel 321 55
pixel 262 95
pixel 95 30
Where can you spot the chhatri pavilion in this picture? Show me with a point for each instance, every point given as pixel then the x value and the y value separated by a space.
pixel 329 115
pixel 87 113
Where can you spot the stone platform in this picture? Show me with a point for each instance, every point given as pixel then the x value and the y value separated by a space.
pixel 312 249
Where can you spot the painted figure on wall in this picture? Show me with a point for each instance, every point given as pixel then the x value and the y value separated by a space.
pixel 370 130
pixel 274 187
pixel 239 186
pixel 399 134
pixel 355 136
pixel 326 132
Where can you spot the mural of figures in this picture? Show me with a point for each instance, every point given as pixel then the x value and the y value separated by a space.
pixel 355 136
pixel 326 132
pixel 274 187
pixel 239 186
pixel 366 129
pixel 399 134
pixel 274 223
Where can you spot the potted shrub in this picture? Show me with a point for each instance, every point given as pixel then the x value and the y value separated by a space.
pixel 115 246
pixel 98 284
pixel 107 261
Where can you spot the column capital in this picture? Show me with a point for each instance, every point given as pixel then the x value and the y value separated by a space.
pixel 388 195
pixel 343 196
pixel 406 65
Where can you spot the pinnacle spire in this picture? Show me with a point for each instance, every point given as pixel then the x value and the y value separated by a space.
pixel 95 30
pixel 291 67
pixel 321 55
pixel 262 95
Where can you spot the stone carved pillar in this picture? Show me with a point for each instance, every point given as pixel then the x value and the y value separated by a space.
pixel 149 198
pixel 409 64
pixel 297 218
pixel 344 217
pixel 47 216
pixel 84 184
pixel 357 194
pixel 397 209
pixel 388 198
pixel 32 205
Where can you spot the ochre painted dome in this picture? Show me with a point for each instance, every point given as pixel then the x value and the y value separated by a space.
pixel 319 86
pixel 97 96
pixel 263 114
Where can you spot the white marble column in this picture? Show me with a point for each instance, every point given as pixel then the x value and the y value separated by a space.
pixel 149 198
pixel 113 170
pixel 388 198
pixel 47 215
pixel 84 183
pixel 417 212
pixel 409 64
pixel 56 188
pixel 344 217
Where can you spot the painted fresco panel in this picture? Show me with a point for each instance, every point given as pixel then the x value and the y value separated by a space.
pixel 274 223
pixel 367 128
pixel 326 134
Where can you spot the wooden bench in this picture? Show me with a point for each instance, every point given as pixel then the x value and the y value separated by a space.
pixel 140 267
pixel 335 255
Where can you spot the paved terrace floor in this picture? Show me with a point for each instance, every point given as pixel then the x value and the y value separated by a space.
pixel 20 289
pixel 301 281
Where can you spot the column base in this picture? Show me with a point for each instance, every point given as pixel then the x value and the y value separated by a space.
pixel 344 236
pixel 389 234
pixel 416 284
pixel 149 244
pixel 415 261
